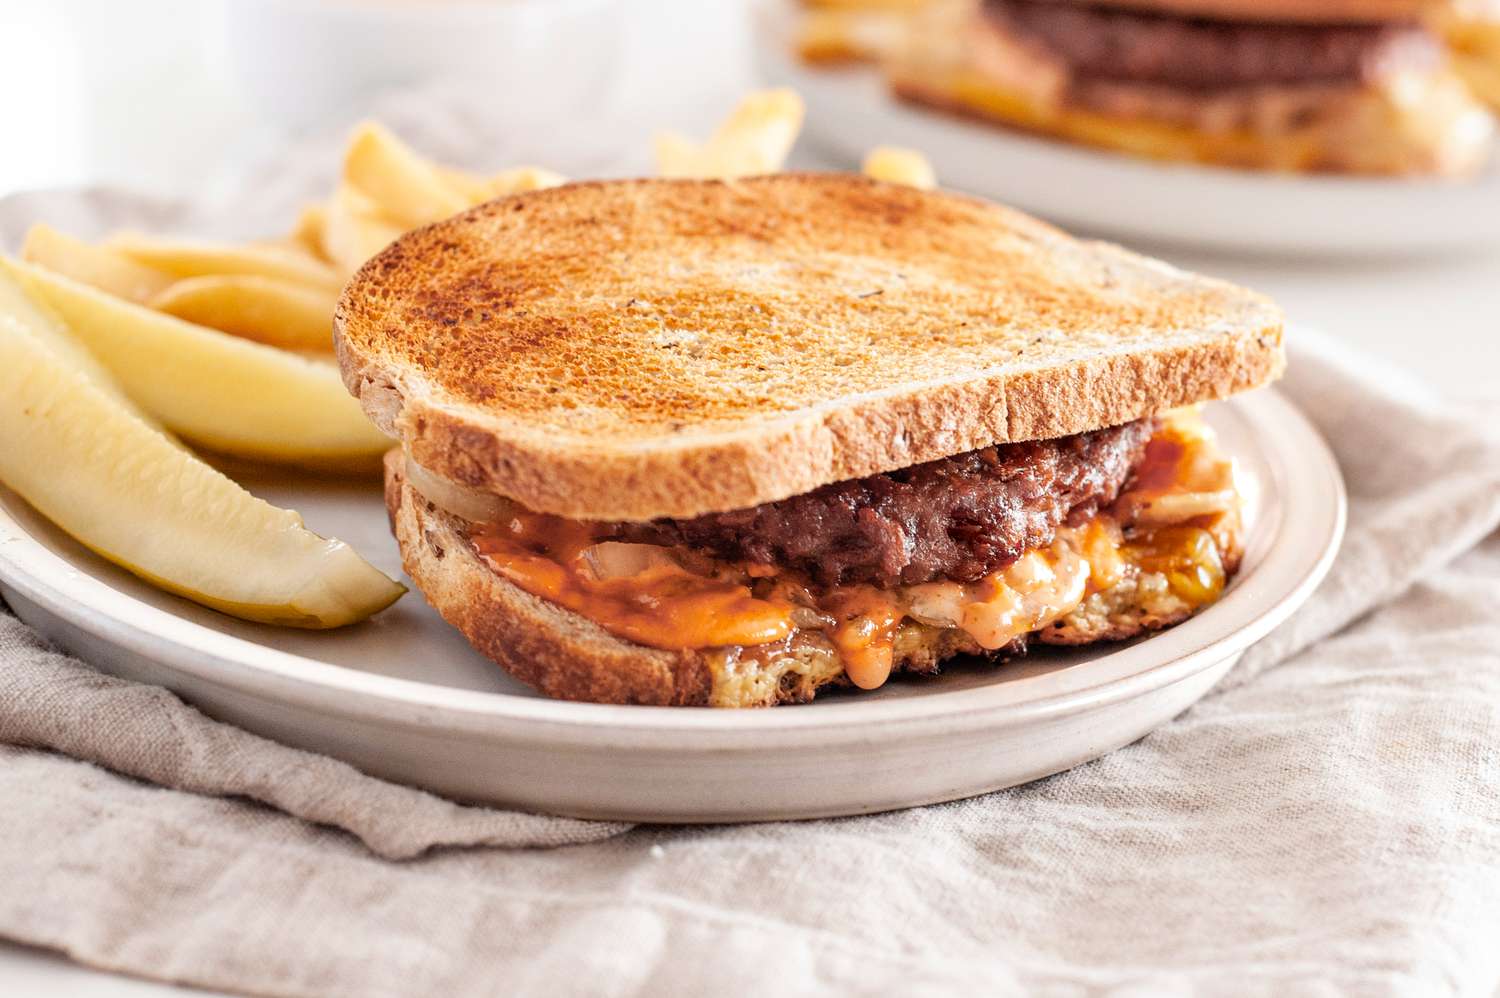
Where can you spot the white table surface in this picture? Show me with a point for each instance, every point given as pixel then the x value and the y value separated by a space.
pixel 1438 319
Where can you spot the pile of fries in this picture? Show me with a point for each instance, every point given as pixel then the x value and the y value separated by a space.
pixel 281 293
pixel 113 354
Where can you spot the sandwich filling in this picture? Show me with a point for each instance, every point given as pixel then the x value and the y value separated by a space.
pixel 958 519
pixel 1067 541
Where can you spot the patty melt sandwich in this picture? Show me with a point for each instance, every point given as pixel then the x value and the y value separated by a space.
pixel 1353 86
pixel 734 443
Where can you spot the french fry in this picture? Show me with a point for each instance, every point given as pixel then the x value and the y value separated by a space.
pixel 900 166
pixel 828 37
pixel 356 229
pixel 407 188
pixel 755 139
pixel 472 188
pixel 278 313
pixel 679 156
pixel 86 460
pixel 183 258
pixel 833 35
pixel 389 189
pixel 103 268
pixel 519 180
pixel 215 390
pixel 308 232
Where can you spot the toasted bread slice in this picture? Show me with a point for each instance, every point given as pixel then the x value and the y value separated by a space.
pixel 626 350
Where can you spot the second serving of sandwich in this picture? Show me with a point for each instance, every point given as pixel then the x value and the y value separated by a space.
pixel 1346 86
pixel 732 443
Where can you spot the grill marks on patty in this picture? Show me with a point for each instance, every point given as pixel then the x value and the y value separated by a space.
pixel 957 518
pixel 1197 54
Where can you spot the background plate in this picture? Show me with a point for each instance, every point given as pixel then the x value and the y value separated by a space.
pixel 849 111
pixel 403 696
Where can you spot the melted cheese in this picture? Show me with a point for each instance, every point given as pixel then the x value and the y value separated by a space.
pixel 1141 136
pixel 865 633
pixel 664 605
pixel 1174 520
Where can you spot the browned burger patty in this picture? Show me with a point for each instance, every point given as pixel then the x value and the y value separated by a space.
pixel 1112 44
pixel 957 518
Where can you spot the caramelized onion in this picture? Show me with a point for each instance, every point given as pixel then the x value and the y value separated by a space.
pixel 463 502
pixel 937 604
pixel 1179 507
pixel 618 560
pixel 809 619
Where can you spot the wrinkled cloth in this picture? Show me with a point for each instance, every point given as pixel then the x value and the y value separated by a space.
pixel 1325 822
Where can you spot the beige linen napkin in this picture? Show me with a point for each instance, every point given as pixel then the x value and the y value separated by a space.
pixel 1327 822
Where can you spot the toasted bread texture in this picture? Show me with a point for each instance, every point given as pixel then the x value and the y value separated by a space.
pixel 627 350
pixel 569 657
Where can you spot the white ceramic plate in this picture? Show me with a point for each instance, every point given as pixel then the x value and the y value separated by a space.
pixel 850 110
pixel 404 697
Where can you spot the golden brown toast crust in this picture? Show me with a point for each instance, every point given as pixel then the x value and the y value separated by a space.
pixel 632 349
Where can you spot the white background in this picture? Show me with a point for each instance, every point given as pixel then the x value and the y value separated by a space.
pixel 143 95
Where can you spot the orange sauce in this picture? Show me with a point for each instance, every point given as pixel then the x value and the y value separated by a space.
pixel 865 635
pixel 663 606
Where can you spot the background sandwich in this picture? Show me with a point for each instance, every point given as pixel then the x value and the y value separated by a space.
pixel 703 442
pixel 1353 86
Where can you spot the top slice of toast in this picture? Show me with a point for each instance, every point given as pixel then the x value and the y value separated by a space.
pixel 626 350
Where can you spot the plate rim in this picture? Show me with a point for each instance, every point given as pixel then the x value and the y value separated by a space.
pixel 47 580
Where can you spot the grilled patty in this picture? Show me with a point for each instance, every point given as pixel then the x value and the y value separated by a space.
pixel 957 518
pixel 1111 44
